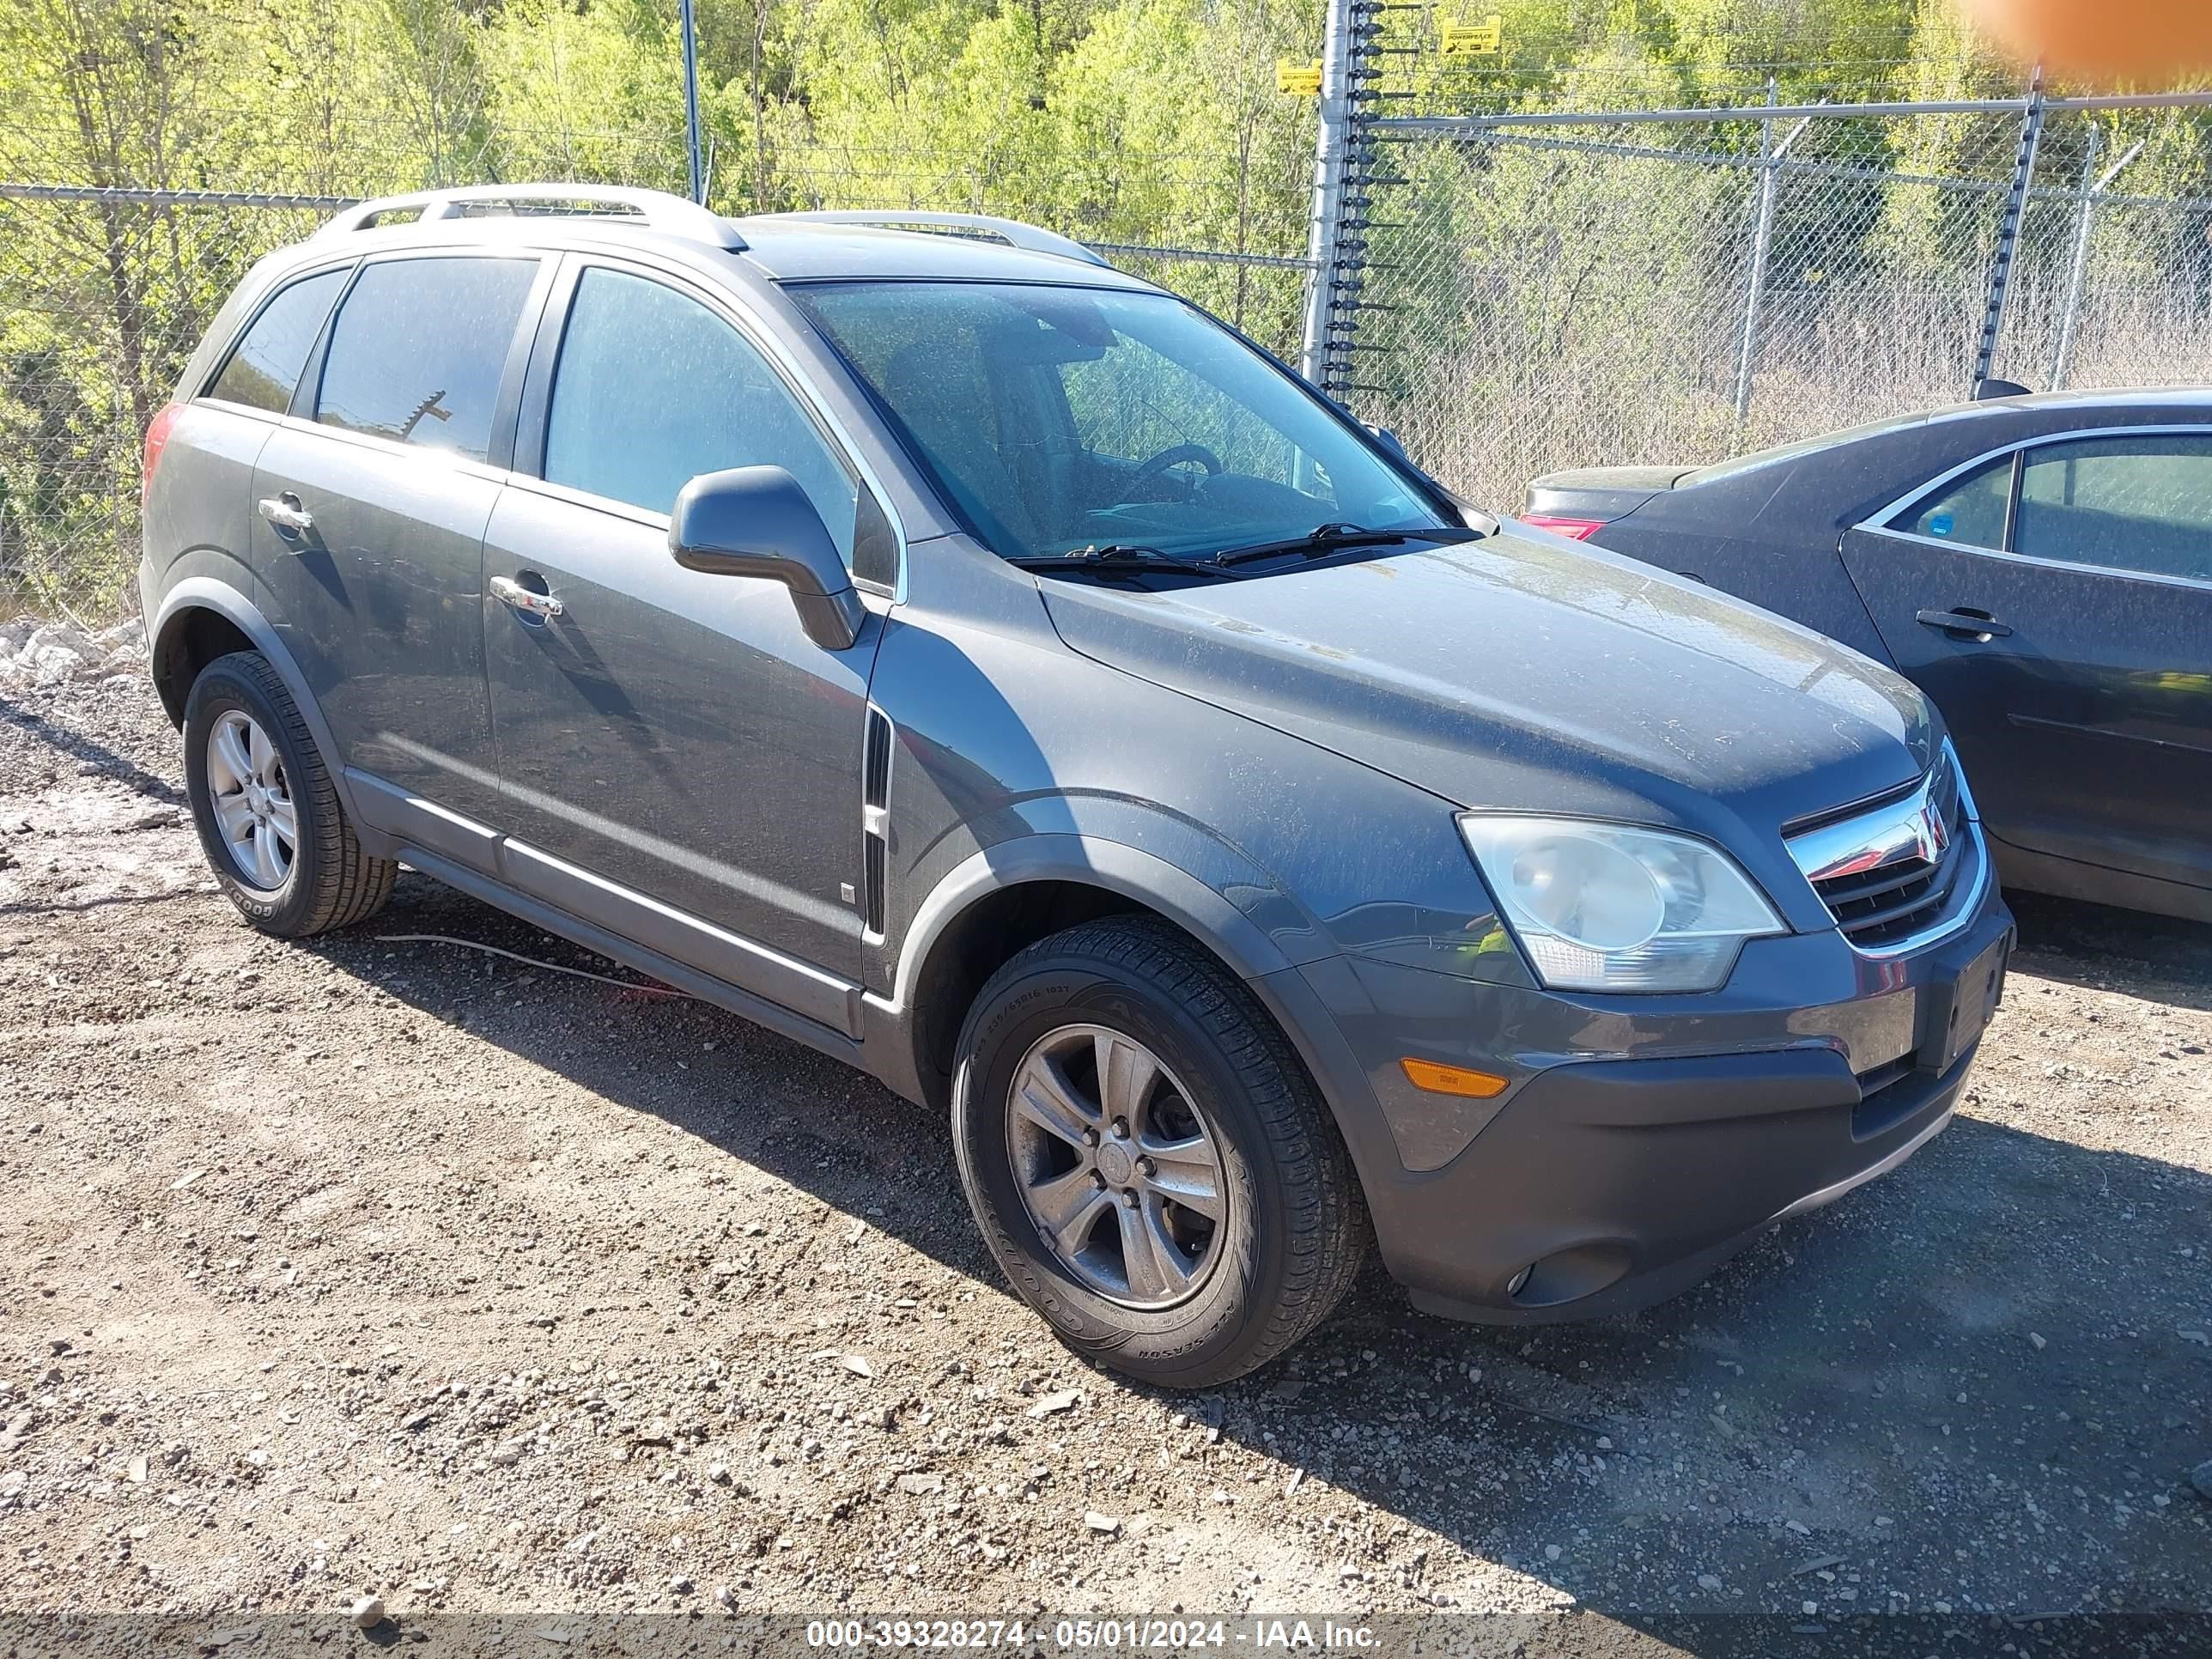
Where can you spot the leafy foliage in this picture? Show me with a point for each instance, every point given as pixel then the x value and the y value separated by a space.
pixel 1136 124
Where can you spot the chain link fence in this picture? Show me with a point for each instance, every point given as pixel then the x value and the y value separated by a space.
pixel 1623 288
pixel 1607 287
pixel 105 289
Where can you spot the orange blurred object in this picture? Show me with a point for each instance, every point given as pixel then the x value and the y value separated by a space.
pixel 2142 44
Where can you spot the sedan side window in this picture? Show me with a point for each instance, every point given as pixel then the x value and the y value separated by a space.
pixel 2127 502
pixel 265 368
pixel 1969 510
pixel 654 389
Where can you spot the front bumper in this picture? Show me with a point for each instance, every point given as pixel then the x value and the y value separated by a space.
pixel 1644 1140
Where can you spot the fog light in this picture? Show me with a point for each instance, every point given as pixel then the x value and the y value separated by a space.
pixel 1513 1284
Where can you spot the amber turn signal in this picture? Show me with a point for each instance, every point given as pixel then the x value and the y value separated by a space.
pixel 1452 1079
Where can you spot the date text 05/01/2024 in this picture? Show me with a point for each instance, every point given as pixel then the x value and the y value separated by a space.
pixel 1130 1635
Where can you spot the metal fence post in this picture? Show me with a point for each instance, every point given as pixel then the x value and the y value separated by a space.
pixel 692 156
pixel 1762 236
pixel 2077 268
pixel 2031 129
pixel 1332 157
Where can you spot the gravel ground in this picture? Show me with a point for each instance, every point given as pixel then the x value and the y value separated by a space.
pixel 392 1267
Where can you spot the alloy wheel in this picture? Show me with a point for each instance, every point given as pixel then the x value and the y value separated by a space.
pixel 251 799
pixel 1119 1174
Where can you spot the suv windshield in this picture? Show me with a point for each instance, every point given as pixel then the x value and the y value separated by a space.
pixel 1060 419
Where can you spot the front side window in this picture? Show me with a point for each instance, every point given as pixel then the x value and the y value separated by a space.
pixel 419 348
pixel 1969 510
pixel 2127 502
pixel 1058 418
pixel 653 388
pixel 264 369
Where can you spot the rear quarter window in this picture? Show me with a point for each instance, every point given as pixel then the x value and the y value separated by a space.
pixel 1970 511
pixel 263 369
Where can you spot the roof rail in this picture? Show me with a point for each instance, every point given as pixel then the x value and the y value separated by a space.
pixel 656 209
pixel 1011 232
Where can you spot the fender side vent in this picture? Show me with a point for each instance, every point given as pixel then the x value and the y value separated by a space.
pixel 876 777
pixel 876 855
pixel 875 816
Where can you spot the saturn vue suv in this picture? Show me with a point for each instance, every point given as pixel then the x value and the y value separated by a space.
pixel 986 668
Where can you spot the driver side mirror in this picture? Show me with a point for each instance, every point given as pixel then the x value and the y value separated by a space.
pixel 757 521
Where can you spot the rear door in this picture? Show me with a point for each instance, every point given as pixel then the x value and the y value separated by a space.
pixel 203 512
pixel 686 756
pixel 372 500
pixel 2056 602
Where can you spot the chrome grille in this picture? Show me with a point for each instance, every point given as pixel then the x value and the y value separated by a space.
pixel 1886 871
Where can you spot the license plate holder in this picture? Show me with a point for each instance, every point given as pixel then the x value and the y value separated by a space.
pixel 1955 1012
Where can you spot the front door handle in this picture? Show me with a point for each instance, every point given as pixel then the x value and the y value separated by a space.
pixel 511 592
pixel 1964 624
pixel 286 512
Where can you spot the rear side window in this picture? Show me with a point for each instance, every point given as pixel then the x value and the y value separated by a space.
pixel 264 367
pixel 2129 503
pixel 653 389
pixel 418 348
pixel 1970 510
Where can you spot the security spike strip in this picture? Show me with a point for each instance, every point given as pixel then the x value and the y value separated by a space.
pixel 1342 280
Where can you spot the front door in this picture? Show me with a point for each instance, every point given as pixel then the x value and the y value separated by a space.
pixel 371 516
pixel 688 758
pixel 2056 605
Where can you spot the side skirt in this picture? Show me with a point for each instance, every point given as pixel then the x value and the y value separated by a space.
pixel 707 988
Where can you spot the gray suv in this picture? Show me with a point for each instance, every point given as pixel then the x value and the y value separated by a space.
pixel 984 667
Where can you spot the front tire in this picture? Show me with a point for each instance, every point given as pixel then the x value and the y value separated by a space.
pixel 1147 1158
pixel 270 820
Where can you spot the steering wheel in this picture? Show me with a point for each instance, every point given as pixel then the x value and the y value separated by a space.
pixel 1178 456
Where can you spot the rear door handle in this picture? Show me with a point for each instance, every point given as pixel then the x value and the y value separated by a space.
pixel 1964 624
pixel 511 592
pixel 286 512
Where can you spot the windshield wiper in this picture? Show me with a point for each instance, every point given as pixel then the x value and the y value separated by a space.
pixel 1117 559
pixel 1329 538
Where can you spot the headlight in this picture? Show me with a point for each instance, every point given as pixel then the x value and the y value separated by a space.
pixel 1602 907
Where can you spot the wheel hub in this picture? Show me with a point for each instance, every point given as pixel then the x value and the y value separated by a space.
pixel 1116 1164
pixel 1121 1177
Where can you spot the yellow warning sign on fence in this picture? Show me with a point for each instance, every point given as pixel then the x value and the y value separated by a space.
pixel 1474 39
pixel 1298 79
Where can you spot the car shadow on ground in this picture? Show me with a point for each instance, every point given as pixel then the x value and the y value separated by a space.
pixel 1966 1388
pixel 2165 959
pixel 91 753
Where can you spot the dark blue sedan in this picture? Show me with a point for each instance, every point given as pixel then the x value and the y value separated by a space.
pixel 2040 566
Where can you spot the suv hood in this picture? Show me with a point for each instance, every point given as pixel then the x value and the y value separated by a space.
pixel 1528 673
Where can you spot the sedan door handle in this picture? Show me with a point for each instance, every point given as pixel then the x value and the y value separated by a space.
pixel 511 592
pixel 1964 624
pixel 286 513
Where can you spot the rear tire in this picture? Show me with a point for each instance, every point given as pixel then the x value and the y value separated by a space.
pixel 1236 1241
pixel 270 820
